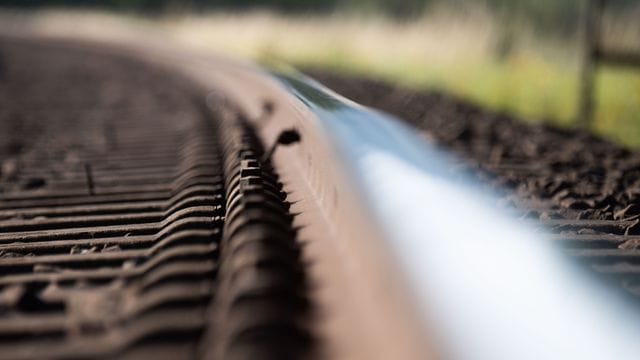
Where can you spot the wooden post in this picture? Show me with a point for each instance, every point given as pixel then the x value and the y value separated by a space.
pixel 590 31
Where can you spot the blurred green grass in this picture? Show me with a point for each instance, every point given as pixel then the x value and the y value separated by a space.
pixel 527 83
pixel 464 53
pixel 460 53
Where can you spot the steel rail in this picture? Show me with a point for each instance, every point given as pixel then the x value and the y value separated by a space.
pixel 488 286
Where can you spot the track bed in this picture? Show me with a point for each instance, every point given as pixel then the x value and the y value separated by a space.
pixel 134 221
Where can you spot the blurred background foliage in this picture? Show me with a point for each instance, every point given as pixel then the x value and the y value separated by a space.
pixel 549 14
pixel 521 57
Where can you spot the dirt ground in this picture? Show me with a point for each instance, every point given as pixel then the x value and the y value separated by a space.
pixel 63 104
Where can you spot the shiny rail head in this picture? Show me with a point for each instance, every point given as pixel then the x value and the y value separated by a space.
pixel 490 287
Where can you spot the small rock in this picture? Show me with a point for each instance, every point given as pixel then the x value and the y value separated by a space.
pixel 78 250
pixel 9 169
pixel 111 248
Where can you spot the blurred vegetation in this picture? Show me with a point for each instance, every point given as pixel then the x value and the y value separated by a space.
pixel 556 14
pixel 516 56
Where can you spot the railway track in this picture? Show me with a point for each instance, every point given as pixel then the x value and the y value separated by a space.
pixel 116 191
pixel 147 209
